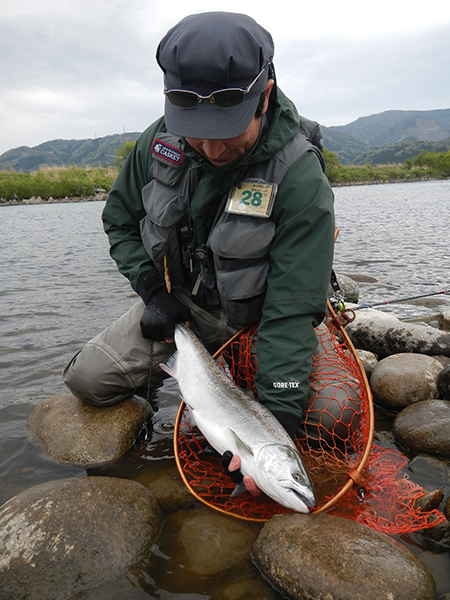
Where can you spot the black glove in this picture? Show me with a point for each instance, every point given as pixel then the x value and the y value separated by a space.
pixel 225 459
pixel 163 310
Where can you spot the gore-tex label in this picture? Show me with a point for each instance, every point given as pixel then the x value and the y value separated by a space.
pixel 167 152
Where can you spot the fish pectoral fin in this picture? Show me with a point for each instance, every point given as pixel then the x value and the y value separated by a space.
pixel 189 416
pixel 242 447
pixel 238 490
pixel 188 405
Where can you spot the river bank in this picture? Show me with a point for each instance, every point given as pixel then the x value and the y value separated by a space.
pixel 101 194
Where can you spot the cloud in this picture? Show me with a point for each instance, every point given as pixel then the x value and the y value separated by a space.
pixel 339 79
pixel 83 68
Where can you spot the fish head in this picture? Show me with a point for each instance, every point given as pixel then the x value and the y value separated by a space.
pixel 283 477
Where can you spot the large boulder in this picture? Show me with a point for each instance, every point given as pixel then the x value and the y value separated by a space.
pixel 384 335
pixel 424 428
pixel 402 379
pixel 322 556
pixel 85 436
pixel 62 537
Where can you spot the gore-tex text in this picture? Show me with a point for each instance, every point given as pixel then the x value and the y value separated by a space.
pixel 286 384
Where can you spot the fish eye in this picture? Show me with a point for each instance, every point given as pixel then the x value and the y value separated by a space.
pixel 297 477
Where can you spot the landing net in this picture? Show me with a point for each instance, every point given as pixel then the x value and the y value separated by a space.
pixel 352 478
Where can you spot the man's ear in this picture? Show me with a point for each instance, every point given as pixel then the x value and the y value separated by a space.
pixel 268 90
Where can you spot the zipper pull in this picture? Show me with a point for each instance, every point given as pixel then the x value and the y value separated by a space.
pixel 197 284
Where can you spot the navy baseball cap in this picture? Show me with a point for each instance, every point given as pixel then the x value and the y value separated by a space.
pixel 208 52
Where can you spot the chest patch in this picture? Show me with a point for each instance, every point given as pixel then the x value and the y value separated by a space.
pixel 167 152
pixel 253 197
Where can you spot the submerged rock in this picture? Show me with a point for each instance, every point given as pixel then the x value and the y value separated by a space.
pixel 429 501
pixel 76 433
pixel 402 379
pixel 211 543
pixel 384 335
pixel 322 556
pixel 437 539
pixel 424 428
pixel 62 537
pixel 361 277
pixel 434 470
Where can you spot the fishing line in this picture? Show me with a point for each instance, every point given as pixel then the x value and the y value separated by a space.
pixel 446 291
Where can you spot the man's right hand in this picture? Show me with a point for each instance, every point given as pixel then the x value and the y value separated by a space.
pixel 249 482
pixel 232 463
pixel 162 312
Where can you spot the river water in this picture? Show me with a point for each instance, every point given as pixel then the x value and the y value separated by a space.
pixel 59 287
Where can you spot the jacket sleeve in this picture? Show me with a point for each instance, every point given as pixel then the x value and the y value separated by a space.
pixel 124 209
pixel 301 259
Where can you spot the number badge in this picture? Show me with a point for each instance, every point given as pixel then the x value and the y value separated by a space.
pixel 253 197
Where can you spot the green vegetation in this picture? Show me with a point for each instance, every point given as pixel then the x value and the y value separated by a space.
pixel 426 165
pixel 56 182
pixel 59 182
pixel 438 163
pixel 122 152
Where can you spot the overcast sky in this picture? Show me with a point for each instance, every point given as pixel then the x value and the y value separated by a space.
pixel 75 69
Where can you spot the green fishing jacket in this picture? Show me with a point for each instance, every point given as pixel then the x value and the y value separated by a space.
pixel 290 269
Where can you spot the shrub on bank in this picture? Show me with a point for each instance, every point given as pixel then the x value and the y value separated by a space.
pixel 57 182
pixel 414 170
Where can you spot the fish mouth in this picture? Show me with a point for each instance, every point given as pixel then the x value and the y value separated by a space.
pixel 308 496
pixel 310 502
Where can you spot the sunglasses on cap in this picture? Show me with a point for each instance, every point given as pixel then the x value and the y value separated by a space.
pixel 226 98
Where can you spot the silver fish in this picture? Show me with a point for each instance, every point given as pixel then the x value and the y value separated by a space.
pixel 230 420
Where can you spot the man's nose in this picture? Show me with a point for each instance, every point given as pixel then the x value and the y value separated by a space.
pixel 213 148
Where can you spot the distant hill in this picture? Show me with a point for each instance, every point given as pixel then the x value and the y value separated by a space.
pixel 400 125
pixel 82 153
pixel 385 138
pixel 400 151
pixel 344 145
pixel 385 129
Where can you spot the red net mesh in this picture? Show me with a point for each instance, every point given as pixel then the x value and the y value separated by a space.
pixel 334 441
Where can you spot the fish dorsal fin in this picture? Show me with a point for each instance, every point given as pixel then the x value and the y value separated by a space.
pixel 242 446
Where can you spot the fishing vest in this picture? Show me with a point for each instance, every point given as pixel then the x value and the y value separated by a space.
pixel 240 239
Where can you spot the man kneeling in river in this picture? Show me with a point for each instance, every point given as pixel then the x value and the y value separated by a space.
pixel 220 217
